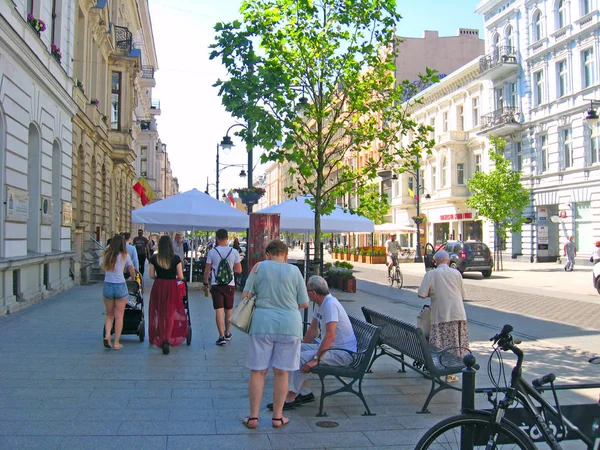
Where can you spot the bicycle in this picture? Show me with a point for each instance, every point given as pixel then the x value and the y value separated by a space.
pixel 395 275
pixel 498 429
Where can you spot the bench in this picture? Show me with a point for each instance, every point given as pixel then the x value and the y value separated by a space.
pixel 367 337
pixel 409 341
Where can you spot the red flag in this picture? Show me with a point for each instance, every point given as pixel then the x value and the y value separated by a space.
pixel 230 197
pixel 144 190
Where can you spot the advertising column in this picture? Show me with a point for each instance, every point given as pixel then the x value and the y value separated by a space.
pixel 263 228
pixel 542 232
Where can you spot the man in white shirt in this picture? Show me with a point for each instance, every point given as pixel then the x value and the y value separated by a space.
pixel 131 251
pixel 332 320
pixel 392 248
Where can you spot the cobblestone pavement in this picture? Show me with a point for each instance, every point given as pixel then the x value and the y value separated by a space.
pixel 573 312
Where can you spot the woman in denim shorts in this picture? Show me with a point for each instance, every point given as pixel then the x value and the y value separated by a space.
pixel 115 290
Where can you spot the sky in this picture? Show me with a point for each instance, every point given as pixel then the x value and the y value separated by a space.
pixel 193 120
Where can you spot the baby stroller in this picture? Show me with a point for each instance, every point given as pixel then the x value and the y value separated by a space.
pixel 183 291
pixel 133 318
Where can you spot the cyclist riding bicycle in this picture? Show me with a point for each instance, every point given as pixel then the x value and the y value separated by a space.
pixel 392 248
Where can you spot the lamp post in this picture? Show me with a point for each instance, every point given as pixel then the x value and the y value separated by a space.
pixel 418 220
pixel 226 144
pixel 220 167
pixel 591 116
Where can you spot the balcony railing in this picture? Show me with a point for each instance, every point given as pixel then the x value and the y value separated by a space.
pixel 146 125
pixel 507 115
pixel 147 72
pixel 123 39
pixel 500 55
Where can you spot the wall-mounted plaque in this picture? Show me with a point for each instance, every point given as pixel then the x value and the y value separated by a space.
pixel 46 207
pixel 67 214
pixel 17 205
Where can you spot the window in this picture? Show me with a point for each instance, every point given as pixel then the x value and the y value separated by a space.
pixel 444 171
pixel 432 125
pixel 499 98
pixel 543 153
pixel 433 178
pixel 460 117
pixel 537 26
pixel 460 173
pixel 115 102
pixel 561 81
pixel 411 183
pixel 518 165
pixel 594 136
pixel 54 24
pixel 566 148
pixel 477 163
pixel 586 7
pixel 510 40
pixel 29 6
pixel 445 121
pixel 587 60
pixel 561 14
pixel 538 79
pixel 584 220
pixel 475 107
pixel 512 94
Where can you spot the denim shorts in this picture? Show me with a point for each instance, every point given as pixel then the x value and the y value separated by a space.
pixel 115 291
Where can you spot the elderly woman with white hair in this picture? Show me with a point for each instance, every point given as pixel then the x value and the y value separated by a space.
pixel 448 317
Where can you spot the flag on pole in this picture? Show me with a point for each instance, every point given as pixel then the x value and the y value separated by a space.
pixel 144 191
pixel 230 197
pixel 412 193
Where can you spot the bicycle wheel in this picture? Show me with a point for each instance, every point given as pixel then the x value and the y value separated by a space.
pixel 475 430
pixel 391 278
pixel 399 278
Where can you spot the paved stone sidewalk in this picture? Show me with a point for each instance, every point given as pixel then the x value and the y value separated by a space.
pixel 62 390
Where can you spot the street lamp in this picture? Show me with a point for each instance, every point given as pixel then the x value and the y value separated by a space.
pixel 227 144
pixel 591 116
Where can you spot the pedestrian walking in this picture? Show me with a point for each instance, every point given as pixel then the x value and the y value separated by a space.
pixel 131 250
pixel 276 330
pixel 448 317
pixel 115 292
pixel 570 251
pixel 140 242
pixel 221 262
pixel 167 320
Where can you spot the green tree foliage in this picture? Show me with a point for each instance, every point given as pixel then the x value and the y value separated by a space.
pixel 499 196
pixel 319 76
pixel 372 203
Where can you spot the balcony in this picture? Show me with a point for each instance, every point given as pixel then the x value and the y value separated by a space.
pixel 501 122
pixel 147 78
pixel 500 62
pixel 452 137
pixel 146 125
pixel 155 107
pixel 123 40
pixel 122 145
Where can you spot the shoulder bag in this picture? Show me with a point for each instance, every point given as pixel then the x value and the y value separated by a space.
pixel 242 314
pixel 424 320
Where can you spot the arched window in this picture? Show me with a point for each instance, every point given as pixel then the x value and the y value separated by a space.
pixel 561 14
pixel 537 26
pixel 34 147
pixel 56 199
pixel 510 40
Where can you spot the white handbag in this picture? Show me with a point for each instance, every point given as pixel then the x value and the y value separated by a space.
pixel 424 320
pixel 242 314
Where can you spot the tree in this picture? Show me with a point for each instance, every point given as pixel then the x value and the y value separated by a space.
pixel 499 197
pixel 338 58
pixel 372 203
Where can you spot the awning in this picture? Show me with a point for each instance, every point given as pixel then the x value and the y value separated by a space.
pixel 394 227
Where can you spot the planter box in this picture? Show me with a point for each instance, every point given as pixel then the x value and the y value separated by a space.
pixel 336 282
pixel 355 258
pixel 375 259
pixel 349 285
pixel 363 258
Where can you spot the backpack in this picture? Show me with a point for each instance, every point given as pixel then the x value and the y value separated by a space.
pixel 224 272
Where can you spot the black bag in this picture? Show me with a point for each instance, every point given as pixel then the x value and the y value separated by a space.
pixel 591 259
pixel 224 272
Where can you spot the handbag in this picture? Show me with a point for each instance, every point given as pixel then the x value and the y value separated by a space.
pixel 424 320
pixel 591 259
pixel 242 314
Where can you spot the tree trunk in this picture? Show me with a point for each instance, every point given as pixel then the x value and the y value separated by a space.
pixel 317 241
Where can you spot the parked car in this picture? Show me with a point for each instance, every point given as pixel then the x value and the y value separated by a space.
pixel 470 256
pixel 596 276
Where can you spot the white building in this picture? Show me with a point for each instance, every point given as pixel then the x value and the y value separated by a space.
pixel 542 59
pixel 35 149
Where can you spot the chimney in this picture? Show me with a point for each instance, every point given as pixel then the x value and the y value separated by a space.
pixel 468 32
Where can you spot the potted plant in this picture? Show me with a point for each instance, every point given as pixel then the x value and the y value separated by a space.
pixel 250 196
pixel 94 101
pixel 55 51
pixel 363 255
pixel 37 24
pixel 79 84
pixel 355 254
pixel 419 219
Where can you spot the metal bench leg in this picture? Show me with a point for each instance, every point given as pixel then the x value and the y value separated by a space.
pixel 432 392
pixel 321 413
pixel 362 397
pixel 375 356
pixel 402 368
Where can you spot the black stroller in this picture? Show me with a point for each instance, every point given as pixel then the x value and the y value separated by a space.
pixel 133 318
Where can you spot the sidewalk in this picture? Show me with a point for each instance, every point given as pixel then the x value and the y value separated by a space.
pixel 62 390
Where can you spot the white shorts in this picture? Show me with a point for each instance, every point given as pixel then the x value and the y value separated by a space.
pixel 280 351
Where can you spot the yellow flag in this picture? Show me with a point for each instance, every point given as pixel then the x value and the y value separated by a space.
pixel 411 193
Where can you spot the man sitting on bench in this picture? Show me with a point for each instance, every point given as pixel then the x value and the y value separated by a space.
pixel 331 319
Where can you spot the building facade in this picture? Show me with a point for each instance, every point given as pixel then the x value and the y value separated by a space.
pixel 542 60
pixel 36 140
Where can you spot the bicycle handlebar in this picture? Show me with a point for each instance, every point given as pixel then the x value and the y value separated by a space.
pixel 506 342
pixel 539 382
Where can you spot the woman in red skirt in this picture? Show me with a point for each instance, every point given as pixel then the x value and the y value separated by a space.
pixel 167 321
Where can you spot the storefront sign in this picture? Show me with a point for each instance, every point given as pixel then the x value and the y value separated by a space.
pixel 67 214
pixel 459 216
pixel 17 205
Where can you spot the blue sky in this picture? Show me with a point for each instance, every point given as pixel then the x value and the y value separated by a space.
pixel 193 120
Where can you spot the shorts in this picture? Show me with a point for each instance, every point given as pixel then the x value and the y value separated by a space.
pixel 222 296
pixel 115 291
pixel 281 351
pixel 390 258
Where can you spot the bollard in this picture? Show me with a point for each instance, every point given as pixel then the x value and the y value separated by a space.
pixel 468 383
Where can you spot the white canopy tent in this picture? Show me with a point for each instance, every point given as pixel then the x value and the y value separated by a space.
pixel 297 216
pixel 394 227
pixel 190 210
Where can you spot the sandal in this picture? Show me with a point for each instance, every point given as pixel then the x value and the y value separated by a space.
pixel 281 421
pixel 246 421
pixel 117 347
pixel 106 342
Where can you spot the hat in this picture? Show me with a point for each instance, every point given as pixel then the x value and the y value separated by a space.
pixel 392 234
pixel 597 243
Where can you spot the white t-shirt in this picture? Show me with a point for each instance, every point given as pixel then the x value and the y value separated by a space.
pixel 392 247
pixel 116 275
pixel 214 258
pixel 331 310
